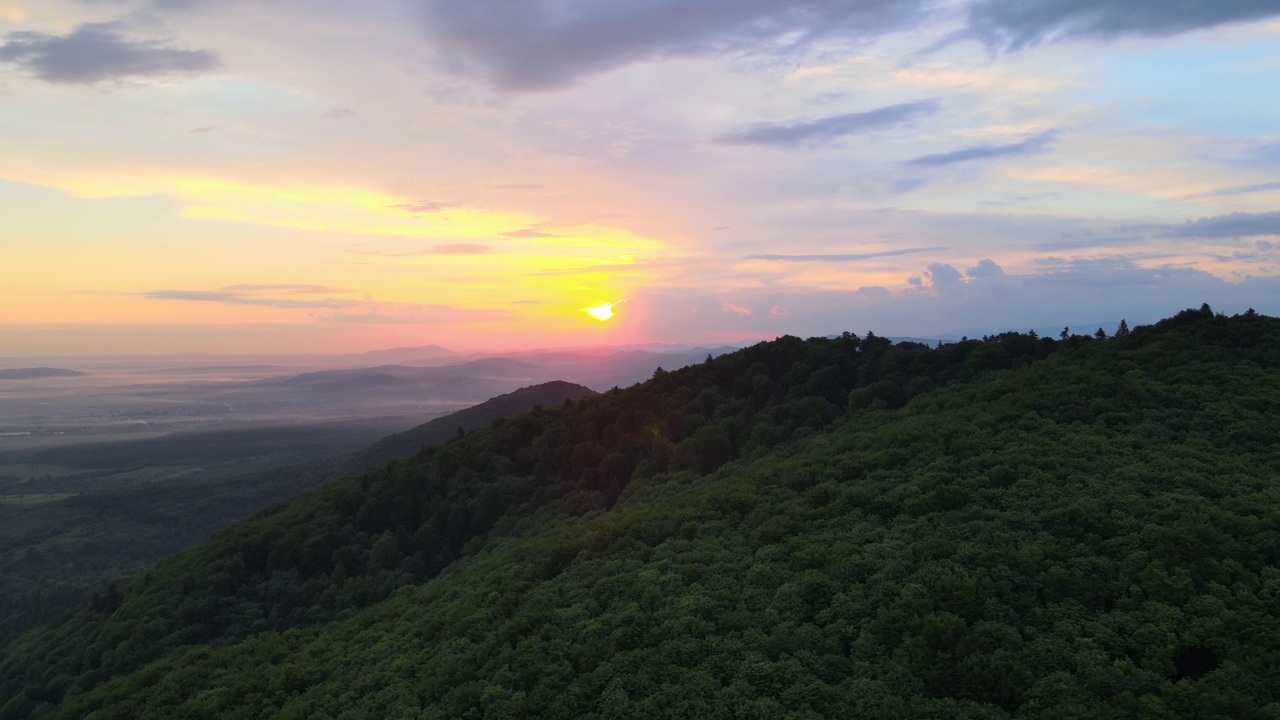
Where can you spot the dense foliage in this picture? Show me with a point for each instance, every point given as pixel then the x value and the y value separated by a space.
pixel 1011 527
pixel 53 555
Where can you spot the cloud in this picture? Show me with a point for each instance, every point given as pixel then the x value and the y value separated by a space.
pixel 985 268
pixel 294 288
pixel 1263 251
pixel 531 232
pixel 799 132
pixel 1233 225
pixel 336 310
pixel 849 257
pixel 1016 24
pixel 1033 145
pixel 98 51
pixel 459 249
pixel 943 274
pixel 428 206
pixel 906 185
pixel 525 45
pixel 164 4
pixel 660 263
pixel 406 314
pixel 1268 153
pixel 1113 271
pixel 1239 190
pixel 232 297
pixel 515 186
pixel 445 249
pixel 1075 293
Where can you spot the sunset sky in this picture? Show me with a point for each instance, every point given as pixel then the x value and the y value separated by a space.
pixel 327 177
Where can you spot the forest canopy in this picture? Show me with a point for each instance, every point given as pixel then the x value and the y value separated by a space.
pixel 1007 527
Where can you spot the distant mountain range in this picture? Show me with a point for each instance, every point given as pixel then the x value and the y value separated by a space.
pixel 436 356
pixel 485 376
pixel 405 354
pixel 37 373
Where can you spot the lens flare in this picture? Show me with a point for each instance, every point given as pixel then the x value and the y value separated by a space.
pixel 601 312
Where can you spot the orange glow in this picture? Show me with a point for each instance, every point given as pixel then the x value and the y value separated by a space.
pixel 601 312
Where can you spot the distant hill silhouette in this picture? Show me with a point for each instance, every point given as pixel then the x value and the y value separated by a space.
pixel 407 354
pixel 37 373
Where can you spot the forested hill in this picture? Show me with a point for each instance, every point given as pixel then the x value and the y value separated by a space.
pixel 1013 527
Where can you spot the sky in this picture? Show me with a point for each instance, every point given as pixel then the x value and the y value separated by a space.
pixel 329 177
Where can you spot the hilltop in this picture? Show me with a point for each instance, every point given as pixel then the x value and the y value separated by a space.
pixel 1012 527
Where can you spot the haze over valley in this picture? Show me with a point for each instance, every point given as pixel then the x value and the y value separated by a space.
pixel 307 406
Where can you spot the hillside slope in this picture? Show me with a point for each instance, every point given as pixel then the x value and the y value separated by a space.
pixel 1008 528
pixel 441 429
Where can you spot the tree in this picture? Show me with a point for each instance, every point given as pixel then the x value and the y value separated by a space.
pixel 1123 330
pixel 707 449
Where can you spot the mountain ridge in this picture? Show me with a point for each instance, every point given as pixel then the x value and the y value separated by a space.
pixel 1014 526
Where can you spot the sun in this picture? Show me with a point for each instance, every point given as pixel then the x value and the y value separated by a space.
pixel 601 312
